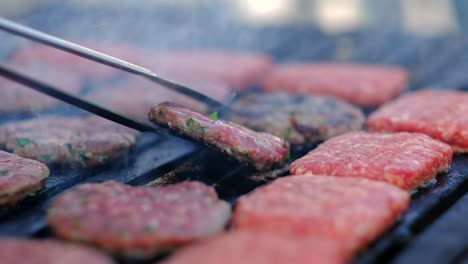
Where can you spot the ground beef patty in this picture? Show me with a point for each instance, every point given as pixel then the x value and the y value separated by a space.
pixel 234 69
pixel 406 160
pixel 261 150
pixel 351 212
pixel 57 59
pixel 28 251
pixel 145 94
pixel 16 98
pixel 19 177
pixel 138 221
pixel 299 119
pixel 259 248
pixel 88 141
pixel 440 114
pixel 366 85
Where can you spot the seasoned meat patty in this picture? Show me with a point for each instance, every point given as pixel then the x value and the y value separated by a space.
pixel 28 251
pixel 19 177
pixel 236 70
pixel 351 212
pixel 138 221
pixel 145 94
pixel 89 141
pixel 442 115
pixel 259 248
pixel 56 59
pixel 365 85
pixel 300 119
pixel 262 151
pixel 16 98
pixel 406 160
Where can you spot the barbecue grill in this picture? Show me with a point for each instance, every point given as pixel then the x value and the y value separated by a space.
pixel 434 228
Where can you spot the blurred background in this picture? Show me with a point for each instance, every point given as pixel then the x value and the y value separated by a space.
pixel 408 33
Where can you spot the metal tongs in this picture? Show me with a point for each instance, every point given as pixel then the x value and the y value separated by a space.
pixel 99 57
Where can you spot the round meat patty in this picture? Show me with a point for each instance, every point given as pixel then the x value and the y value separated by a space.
pixel 351 212
pixel 235 69
pixel 407 160
pixel 364 85
pixel 84 68
pixel 442 115
pixel 28 251
pixel 16 98
pixel 145 94
pixel 89 141
pixel 300 119
pixel 261 150
pixel 138 221
pixel 259 248
pixel 19 177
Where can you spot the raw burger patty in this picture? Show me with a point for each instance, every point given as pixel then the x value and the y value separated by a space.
pixel 16 98
pixel 234 69
pixel 57 59
pixel 297 118
pixel 89 141
pixel 145 94
pixel 259 248
pixel 261 150
pixel 19 177
pixel 365 85
pixel 351 212
pixel 442 115
pixel 406 160
pixel 28 251
pixel 138 221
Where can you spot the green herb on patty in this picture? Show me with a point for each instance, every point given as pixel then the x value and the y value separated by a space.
pixel 22 142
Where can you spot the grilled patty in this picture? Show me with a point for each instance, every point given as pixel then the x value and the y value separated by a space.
pixel 262 151
pixel 365 85
pixel 146 94
pixel 16 98
pixel 138 221
pixel 351 212
pixel 19 177
pixel 28 251
pixel 406 160
pixel 298 119
pixel 259 248
pixel 89 141
pixel 236 70
pixel 442 115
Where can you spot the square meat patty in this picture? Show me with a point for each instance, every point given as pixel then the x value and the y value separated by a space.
pixel 406 160
pixel 442 115
pixel 365 85
pixel 351 212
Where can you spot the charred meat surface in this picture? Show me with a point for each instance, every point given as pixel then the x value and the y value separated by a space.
pixel 145 94
pixel 236 70
pixel 351 212
pixel 299 119
pixel 89 141
pixel 442 115
pixel 16 98
pixel 365 85
pixel 19 177
pixel 28 251
pixel 407 160
pixel 259 248
pixel 261 150
pixel 138 221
